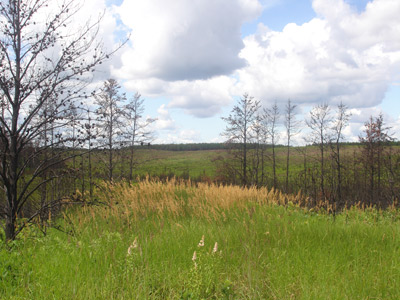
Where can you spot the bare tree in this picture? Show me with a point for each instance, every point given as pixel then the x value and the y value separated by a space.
pixel 110 119
pixel 40 62
pixel 238 131
pixel 320 123
pixel 137 130
pixel 376 135
pixel 91 132
pixel 292 129
pixel 47 140
pixel 257 153
pixel 75 127
pixel 339 123
pixel 270 120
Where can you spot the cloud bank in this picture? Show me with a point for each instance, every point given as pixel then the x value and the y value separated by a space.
pixel 193 53
pixel 340 55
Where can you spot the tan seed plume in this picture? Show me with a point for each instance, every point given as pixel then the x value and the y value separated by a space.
pixel 201 243
pixel 133 246
pixel 215 249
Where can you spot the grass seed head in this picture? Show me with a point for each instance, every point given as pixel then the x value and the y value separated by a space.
pixel 201 243
pixel 215 249
pixel 133 246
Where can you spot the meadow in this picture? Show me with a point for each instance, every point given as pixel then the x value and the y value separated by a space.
pixel 193 164
pixel 179 240
pixel 198 164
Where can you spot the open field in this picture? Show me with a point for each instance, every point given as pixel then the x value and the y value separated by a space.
pixel 189 163
pixel 193 164
pixel 140 245
pixel 197 163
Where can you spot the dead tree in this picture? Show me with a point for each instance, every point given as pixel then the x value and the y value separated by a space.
pixel 109 119
pixel 376 136
pixel 238 131
pixel 137 131
pixel 40 62
pixel 340 122
pixel 292 128
pixel 270 122
pixel 89 138
pixel 319 124
pixel 256 158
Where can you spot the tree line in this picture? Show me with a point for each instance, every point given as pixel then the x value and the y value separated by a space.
pixel 368 175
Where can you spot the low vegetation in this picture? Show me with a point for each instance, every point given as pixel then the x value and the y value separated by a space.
pixel 178 240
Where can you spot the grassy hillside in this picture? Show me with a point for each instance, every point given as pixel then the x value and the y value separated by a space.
pixel 201 162
pixel 140 245
pixel 181 163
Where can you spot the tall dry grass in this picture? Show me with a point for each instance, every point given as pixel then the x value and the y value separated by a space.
pixel 177 198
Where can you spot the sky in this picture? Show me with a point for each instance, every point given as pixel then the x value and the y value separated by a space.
pixel 192 59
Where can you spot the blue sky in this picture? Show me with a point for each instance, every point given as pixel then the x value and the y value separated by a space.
pixel 190 60
pixel 280 13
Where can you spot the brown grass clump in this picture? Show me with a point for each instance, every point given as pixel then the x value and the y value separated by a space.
pixel 176 198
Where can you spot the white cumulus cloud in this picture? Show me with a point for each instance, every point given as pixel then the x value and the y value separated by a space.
pixel 341 55
pixel 201 98
pixel 184 40
pixel 164 120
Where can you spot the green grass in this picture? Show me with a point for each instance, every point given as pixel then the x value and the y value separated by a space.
pixel 199 163
pixel 190 163
pixel 265 251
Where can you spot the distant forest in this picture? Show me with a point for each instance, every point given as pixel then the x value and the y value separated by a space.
pixel 224 146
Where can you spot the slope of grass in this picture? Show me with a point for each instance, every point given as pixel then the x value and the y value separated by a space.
pixel 141 246
pixel 195 164
pixel 188 163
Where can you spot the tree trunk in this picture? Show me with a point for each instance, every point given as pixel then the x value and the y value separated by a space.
pixel 274 164
pixel 10 227
pixel 322 168
pixel 132 152
pixel 287 167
